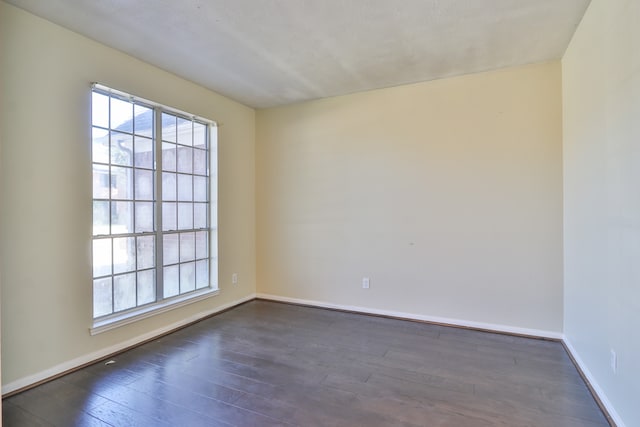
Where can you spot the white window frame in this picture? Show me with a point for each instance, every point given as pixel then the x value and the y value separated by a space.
pixel 162 304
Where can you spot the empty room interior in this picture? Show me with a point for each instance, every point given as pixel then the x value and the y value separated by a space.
pixel 420 213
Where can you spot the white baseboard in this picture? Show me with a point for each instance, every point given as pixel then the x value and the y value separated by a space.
pixel 100 354
pixel 411 316
pixel 594 384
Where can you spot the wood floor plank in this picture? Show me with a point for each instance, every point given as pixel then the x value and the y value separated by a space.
pixel 14 415
pixel 273 364
pixel 120 415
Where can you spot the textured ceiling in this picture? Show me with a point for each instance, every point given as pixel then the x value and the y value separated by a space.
pixel 265 53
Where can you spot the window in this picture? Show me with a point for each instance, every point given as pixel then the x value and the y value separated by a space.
pixel 154 205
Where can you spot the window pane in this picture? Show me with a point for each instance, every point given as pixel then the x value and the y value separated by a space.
pixel 143 152
pixel 187 247
pixel 187 277
pixel 100 182
pixel 171 281
pixel 168 186
pixel 101 257
pixel 143 120
pixel 185 159
pixel 200 162
pixel 185 135
pixel 170 249
pixel 144 217
pixel 100 145
pixel 199 188
pixel 169 216
pixel 185 188
pixel 102 297
pixel 202 274
pixel 146 287
pixel 200 215
pixel 199 135
pixel 124 291
pixel 121 115
pixel 121 149
pixel 168 127
pixel 185 216
pixel 121 183
pixel 100 218
pixel 124 254
pixel 99 110
pixel 121 217
pixel 168 156
pixel 146 252
pixel 202 242
pixel 144 184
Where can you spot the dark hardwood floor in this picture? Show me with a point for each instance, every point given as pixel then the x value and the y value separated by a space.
pixel 268 364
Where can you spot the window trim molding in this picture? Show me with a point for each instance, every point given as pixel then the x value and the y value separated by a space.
pixel 121 319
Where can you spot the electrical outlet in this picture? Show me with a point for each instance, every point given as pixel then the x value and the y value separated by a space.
pixel 614 361
pixel 234 278
pixel 365 283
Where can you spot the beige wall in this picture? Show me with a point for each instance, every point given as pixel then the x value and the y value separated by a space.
pixel 601 92
pixel 46 190
pixel 447 194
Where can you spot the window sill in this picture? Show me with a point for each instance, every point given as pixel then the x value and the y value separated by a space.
pixel 119 320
